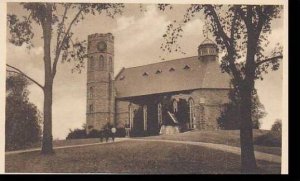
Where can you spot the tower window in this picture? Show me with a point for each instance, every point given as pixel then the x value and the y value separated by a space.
pixel 171 69
pixel 186 67
pixel 91 108
pixel 101 62
pixel 91 92
pixel 92 63
pixel 110 64
pixel 145 74
pixel 122 77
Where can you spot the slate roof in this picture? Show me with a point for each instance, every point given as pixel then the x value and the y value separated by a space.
pixel 170 76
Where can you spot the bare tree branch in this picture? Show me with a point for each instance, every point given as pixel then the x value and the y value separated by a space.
pixel 268 60
pixel 61 24
pixel 57 54
pixel 16 70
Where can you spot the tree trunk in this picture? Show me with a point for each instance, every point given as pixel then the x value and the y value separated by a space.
pixel 47 147
pixel 248 162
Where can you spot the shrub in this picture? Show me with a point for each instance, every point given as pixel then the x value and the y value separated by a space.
pixel 272 138
pixel 22 118
pixel 268 139
pixel 77 134
pixel 94 134
pixel 120 132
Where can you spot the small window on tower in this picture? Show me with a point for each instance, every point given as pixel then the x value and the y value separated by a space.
pixel 92 63
pixel 110 64
pixel 122 77
pixel 91 108
pixel 101 62
pixel 91 92
pixel 145 74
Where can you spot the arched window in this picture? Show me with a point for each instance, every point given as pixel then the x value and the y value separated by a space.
pixel 145 117
pixel 191 112
pixel 110 64
pixel 159 114
pixel 101 62
pixel 131 113
pixel 91 108
pixel 91 92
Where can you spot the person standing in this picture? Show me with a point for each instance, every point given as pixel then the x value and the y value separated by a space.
pixel 113 132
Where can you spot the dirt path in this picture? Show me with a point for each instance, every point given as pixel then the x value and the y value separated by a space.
pixel 222 147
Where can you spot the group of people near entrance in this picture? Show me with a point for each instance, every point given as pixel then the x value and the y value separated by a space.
pixel 108 132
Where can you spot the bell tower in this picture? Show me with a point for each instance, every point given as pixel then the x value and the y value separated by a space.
pixel 100 88
pixel 208 50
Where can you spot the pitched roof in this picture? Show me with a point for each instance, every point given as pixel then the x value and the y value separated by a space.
pixel 170 76
pixel 207 41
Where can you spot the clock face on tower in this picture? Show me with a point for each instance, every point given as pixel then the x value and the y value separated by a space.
pixel 101 46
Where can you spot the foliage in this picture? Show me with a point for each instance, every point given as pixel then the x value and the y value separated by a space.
pixel 277 126
pixel 67 47
pixel 22 120
pixel 272 138
pixel 57 21
pixel 269 139
pixel 241 32
pixel 94 134
pixel 77 134
pixel 229 116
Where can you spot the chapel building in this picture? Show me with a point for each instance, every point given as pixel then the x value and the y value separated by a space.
pixel 182 94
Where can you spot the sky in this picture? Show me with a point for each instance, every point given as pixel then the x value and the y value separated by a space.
pixel 138 36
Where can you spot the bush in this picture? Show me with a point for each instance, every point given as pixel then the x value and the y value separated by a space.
pixel 77 134
pixel 22 118
pixel 268 139
pixel 272 138
pixel 94 134
pixel 120 132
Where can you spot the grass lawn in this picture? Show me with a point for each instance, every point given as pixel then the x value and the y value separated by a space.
pixel 133 157
pixel 57 143
pixel 227 137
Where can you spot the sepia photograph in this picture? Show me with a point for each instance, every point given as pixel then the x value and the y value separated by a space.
pixel 161 87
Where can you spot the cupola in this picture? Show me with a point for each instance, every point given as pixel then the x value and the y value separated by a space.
pixel 208 50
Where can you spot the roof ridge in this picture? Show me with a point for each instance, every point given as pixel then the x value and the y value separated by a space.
pixel 159 62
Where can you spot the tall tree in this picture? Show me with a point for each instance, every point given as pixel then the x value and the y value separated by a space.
pixel 241 31
pixel 57 21
pixel 22 118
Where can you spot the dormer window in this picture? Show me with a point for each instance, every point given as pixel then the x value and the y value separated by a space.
pixel 158 71
pixel 186 67
pixel 171 69
pixel 122 77
pixel 145 74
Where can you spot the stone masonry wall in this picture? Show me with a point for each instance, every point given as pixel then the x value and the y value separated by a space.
pixel 208 104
